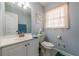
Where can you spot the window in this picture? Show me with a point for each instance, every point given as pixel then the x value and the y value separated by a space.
pixel 57 17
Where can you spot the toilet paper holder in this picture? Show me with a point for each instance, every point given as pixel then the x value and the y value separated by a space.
pixel 59 37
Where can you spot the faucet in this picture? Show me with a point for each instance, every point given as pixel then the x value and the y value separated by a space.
pixel 21 34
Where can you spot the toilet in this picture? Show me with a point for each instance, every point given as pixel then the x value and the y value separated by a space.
pixel 46 47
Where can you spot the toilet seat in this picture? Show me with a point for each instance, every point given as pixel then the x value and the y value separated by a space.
pixel 47 45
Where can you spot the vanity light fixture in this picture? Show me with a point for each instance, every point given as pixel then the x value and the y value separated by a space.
pixel 23 5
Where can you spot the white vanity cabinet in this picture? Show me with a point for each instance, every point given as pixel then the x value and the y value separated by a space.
pixel 27 48
pixel 33 48
pixel 15 50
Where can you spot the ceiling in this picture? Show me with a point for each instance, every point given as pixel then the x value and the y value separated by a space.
pixel 45 4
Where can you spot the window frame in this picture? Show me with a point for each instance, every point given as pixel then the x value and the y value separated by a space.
pixel 66 17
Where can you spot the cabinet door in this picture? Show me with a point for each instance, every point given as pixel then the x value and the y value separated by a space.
pixel 15 50
pixel 33 47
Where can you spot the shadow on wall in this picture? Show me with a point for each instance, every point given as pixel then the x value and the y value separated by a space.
pixel 46 38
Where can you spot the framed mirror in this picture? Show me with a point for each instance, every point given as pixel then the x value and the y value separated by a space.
pixel 14 18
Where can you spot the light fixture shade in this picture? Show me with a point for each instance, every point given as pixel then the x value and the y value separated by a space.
pixel 19 4
pixel 26 5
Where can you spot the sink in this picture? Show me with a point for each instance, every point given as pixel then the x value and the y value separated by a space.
pixel 14 39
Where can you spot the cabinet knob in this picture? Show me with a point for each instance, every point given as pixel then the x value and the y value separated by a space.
pixel 25 44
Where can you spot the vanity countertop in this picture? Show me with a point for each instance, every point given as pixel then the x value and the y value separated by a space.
pixel 13 39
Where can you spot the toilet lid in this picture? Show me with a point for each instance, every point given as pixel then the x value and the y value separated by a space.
pixel 47 45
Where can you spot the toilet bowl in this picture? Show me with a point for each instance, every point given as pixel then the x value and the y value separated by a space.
pixel 46 47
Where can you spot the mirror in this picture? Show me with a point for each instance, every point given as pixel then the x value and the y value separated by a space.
pixel 14 18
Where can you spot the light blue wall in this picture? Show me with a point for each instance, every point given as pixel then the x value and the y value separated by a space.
pixel 70 37
pixel 36 8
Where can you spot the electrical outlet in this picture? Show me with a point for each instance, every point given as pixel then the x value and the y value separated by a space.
pixel 64 46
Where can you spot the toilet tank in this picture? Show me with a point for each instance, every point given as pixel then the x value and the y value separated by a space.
pixel 41 37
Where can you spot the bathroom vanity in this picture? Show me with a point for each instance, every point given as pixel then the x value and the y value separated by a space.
pixel 19 46
pixel 12 21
